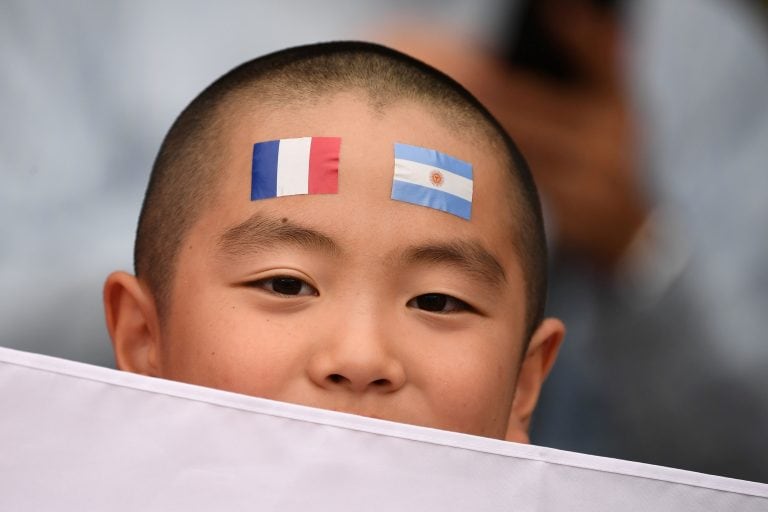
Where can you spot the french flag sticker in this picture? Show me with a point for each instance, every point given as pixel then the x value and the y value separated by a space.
pixel 427 177
pixel 289 167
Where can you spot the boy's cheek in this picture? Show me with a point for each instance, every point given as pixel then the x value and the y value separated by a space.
pixel 224 348
pixel 476 397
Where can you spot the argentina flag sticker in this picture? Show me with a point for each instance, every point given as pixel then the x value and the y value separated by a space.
pixel 427 177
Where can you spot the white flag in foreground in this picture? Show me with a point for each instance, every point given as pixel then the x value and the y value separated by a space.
pixel 80 437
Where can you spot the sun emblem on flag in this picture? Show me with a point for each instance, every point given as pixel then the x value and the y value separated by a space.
pixel 436 178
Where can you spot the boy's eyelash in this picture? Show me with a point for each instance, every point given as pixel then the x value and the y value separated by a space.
pixel 285 285
pixel 290 286
pixel 440 303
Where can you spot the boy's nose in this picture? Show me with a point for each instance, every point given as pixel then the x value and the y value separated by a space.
pixel 357 358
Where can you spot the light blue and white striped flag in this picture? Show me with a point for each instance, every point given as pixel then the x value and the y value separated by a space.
pixel 430 178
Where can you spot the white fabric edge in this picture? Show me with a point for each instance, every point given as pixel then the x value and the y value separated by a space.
pixel 376 426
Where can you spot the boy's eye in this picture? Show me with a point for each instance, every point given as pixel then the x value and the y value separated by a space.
pixel 285 285
pixel 438 303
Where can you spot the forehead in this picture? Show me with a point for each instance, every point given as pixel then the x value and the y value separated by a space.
pixel 363 206
pixel 368 131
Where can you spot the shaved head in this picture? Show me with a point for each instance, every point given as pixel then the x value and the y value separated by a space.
pixel 191 160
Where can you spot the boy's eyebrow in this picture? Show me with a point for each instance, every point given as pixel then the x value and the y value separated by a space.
pixel 259 232
pixel 468 256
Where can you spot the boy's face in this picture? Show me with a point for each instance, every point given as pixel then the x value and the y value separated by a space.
pixel 353 301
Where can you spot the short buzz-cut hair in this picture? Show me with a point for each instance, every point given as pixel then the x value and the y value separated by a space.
pixel 189 164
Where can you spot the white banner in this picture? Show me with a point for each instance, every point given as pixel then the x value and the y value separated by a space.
pixel 81 437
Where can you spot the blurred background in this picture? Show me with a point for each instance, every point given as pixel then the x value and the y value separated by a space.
pixel 645 123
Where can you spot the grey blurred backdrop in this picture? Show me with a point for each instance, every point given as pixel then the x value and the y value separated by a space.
pixel 674 376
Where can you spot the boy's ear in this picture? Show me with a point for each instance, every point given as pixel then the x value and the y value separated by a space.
pixel 537 362
pixel 132 322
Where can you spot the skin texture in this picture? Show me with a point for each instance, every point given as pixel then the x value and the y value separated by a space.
pixel 353 334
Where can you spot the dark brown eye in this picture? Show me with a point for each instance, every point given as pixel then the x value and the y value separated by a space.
pixel 438 303
pixel 286 285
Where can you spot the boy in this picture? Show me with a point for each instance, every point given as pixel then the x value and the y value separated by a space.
pixel 359 298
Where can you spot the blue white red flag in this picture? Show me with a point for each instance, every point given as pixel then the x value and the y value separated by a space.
pixel 288 167
pixel 433 179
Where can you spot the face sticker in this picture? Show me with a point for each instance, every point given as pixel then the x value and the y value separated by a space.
pixel 433 179
pixel 289 167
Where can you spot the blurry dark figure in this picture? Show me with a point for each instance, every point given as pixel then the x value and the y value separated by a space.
pixel 566 104
pixel 641 375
